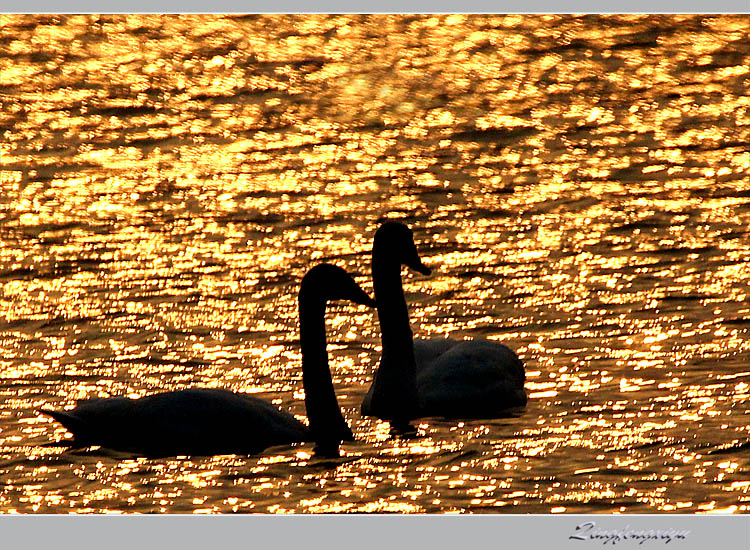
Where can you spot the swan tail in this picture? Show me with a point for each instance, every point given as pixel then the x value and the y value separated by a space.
pixel 71 423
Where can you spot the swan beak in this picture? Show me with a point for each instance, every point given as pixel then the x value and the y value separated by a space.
pixel 363 299
pixel 419 267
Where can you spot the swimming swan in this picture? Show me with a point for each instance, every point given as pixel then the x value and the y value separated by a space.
pixel 203 422
pixel 436 377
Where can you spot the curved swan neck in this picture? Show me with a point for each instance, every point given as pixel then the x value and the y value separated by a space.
pixel 393 313
pixel 327 425
pixel 394 394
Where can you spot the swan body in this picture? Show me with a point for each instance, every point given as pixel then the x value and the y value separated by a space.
pixel 197 421
pixel 203 421
pixel 436 377
pixel 467 378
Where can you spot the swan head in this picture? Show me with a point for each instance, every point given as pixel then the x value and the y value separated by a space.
pixel 333 283
pixel 397 240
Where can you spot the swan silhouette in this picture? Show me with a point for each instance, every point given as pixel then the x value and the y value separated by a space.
pixel 436 377
pixel 204 421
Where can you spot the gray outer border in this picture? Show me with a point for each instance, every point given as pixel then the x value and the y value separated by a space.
pixel 365 532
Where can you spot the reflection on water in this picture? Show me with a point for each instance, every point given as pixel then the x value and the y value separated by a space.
pixel 578 183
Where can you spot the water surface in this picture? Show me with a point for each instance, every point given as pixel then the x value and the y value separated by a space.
pixel 579 184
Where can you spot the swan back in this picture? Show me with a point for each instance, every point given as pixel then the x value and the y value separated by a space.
pixel 198 421
pixel 468 378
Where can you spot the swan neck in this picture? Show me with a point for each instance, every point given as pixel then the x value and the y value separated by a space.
pixel 393 395
pixel 323 413
pixel 393 313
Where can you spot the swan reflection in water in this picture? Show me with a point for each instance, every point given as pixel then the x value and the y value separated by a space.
pixel 437 377
pixel 202 421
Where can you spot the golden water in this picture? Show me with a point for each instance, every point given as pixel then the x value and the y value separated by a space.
pixel 579 184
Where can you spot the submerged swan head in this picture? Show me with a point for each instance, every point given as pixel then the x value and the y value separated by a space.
pixel 395 240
